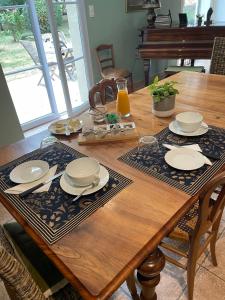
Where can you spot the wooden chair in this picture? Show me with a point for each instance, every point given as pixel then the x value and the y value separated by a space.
pixel 106 62
pixel 217 65
pixel 104 90
pixel 197 229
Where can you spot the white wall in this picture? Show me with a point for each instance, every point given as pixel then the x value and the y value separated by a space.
pixel 10 129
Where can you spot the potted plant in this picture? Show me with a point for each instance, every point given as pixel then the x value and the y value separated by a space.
pixel 163 96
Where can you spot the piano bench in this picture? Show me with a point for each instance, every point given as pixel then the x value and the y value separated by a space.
pixel 171 70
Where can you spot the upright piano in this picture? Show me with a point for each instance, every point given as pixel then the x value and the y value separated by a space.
pixel 177 43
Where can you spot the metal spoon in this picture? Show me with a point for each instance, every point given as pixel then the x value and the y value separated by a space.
pixel 94 184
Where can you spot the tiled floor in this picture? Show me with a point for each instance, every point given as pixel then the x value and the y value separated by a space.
pixel 209 280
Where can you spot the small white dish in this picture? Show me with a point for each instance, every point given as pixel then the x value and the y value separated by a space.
pixel 82 171
pixel 202 130
pixel 75 190
pixel 184 159
pixel 189 121
pixel 62 126
pixel 29 171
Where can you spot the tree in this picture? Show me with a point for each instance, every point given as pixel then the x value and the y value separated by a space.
pixel 42 13
pixel 14 22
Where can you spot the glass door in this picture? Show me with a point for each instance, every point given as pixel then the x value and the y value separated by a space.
pixel 73 67
pixel 28 76
pixel 43 59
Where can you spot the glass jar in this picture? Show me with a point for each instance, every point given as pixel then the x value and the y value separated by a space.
pixel 123 104
pixel 98 114
pixel 148 143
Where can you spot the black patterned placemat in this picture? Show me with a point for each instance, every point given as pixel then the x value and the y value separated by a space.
pixel 153 163
pixel 53 214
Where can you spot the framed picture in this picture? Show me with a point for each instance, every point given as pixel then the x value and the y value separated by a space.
pixel 135 5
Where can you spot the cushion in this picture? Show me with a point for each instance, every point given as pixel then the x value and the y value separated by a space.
pixel 115 73
pixel 176 69
pixel 45 274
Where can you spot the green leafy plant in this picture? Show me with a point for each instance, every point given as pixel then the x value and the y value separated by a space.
pixel 162 91
pixel 14 23
pixel 42 13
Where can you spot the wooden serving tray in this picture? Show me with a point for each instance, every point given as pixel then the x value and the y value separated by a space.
pixel 128 132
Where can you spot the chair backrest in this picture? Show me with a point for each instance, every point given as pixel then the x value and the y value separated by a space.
pixel 31 49
pixel 211 210
pixel 217 65
pixel 105 57
pixel 103 90
pixel 19 283
pixel 62 37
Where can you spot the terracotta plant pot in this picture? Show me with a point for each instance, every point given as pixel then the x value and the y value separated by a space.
pixel 164 108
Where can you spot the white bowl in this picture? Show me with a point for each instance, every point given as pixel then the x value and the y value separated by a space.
pixel 189 121
pixel 82 171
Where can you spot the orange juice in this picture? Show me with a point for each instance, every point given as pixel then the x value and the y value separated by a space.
pixel 123 104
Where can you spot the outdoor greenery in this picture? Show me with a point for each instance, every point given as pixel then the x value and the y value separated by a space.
pixel 15 25
pixel 14 21
pixel 11 2
pixel 43 15
pixel 13 55
pixel 162 91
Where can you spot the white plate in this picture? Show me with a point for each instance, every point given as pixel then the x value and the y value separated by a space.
pixel 72 129
pixel 29 171
pixel 72 190
pixel 175 129
pixel 184 159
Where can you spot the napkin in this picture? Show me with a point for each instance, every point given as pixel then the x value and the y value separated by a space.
pixel 25 186
pixel 193 147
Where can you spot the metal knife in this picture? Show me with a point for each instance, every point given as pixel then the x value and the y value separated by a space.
pixel 25 193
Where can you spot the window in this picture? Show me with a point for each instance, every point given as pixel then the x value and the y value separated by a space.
pixel 194 7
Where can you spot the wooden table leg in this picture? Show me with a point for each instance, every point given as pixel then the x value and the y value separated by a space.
pixel 149 274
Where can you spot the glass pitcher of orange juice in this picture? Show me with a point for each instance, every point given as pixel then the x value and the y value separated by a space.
pixel 123 104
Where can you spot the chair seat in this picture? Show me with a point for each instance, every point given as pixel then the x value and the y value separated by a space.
pixel 46 275
pixel 115 73
pixel 175 69
pixel 186 225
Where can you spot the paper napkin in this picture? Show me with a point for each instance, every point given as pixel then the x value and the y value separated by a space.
pixel 25 186
pixel 193 147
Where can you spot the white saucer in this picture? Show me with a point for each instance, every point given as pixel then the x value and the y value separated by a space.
pixel 29 171
pixel 72 190
pixel 185 159
pixel 175 129
pixel 72 129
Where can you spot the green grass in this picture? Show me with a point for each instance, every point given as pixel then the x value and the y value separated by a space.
pixel 13 55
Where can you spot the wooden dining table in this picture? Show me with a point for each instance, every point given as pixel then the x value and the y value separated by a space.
pixel 124 234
